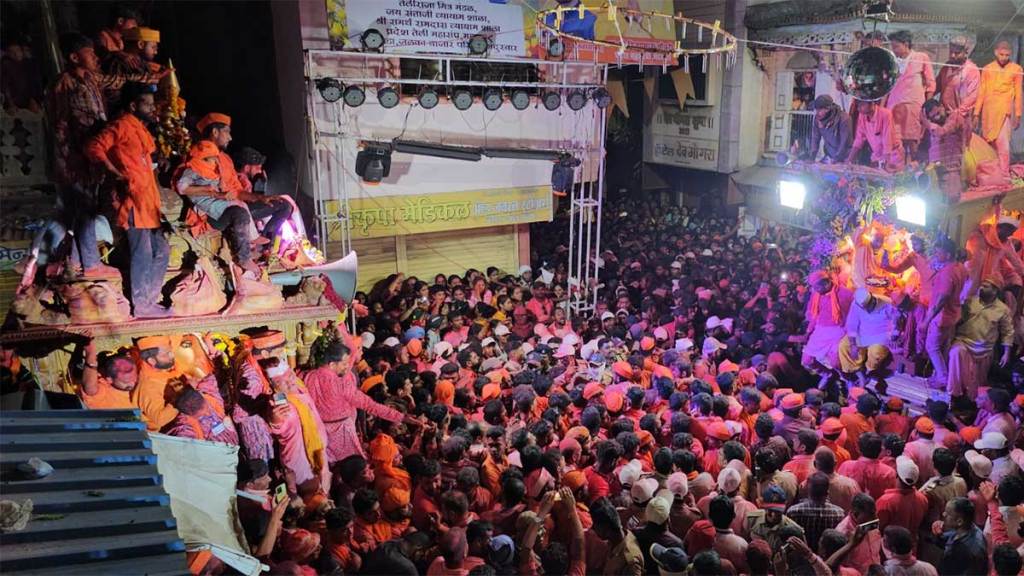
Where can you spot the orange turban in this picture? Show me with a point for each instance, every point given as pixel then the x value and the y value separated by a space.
pixel 393 499
pixel 574 479
pixel 490 392
pixel 149 342
pixel 370 382
pixel 414 347
pixel 444 392
pixel 203 149
pixel 383 449
pixel 212 118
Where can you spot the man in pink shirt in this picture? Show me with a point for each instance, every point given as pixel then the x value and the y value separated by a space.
pixel 875 127
pixel 994 414
pixel 946 282
pixel 869 550
pixel 921 449
pixel 958 82
pixel 915 84
pixel 540 305
pixel 802 463
pixel 869 473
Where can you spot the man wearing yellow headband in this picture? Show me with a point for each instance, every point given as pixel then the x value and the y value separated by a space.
pixel 141 45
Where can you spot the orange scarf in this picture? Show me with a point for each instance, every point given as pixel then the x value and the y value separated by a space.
pixel 816 305
pixel 382 457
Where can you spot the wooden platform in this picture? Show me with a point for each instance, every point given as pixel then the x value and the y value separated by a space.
pixel 103 510
pixel 47 349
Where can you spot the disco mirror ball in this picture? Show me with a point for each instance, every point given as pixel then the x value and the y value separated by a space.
pixel 870 73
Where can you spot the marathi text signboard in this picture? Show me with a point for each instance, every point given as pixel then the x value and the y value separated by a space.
pixel 433 26
pixel 684 138
pixel 417 214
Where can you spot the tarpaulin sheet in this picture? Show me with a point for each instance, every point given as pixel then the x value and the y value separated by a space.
pixel 200 477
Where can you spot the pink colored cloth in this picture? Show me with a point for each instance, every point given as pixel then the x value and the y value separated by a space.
pixel 879 132
pixel 871 475
pixel 915 82
pixel 336 399
pixel 292 449
pixel 868 552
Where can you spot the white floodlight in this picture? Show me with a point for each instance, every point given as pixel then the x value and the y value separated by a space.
pixel 911 209
pixel 792 194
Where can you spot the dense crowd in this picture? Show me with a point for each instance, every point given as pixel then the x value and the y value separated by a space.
pixel 468 425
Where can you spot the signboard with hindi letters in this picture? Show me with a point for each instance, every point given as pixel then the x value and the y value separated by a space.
pixel 419 213
pixel 431 26
pixel 687 138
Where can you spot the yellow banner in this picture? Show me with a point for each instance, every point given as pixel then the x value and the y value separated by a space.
pixel 419 213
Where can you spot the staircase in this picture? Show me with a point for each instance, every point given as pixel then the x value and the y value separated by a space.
pixel 103 510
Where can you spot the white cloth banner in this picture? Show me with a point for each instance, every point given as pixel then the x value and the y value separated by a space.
pixel 438 26
pixel 200 478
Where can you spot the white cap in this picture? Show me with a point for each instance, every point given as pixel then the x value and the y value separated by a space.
pixel 728 481
pixel 658 509
pixel 501 330
pixel 712 323
pixel 991 441
pixel 443 349
pixel 391 342
pixel 660 334
pixel 524 268
pixel 643 490
pixel 980 465
pixel 487 342
pixel 711 344
pixel 606 315
pixel 907 470
pixel 565 349
pixel 630 473
pixel 526 347
pixel 572 338
pixel 1009 220
pixel 678 484
pixel 367 339
pixel 676 264
pixel 684 344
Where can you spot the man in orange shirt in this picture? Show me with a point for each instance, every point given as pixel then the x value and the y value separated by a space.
pixel 158 381
pixel 998 108
pixel 108 385
pixel 124 148
pixel 859 422
pixel 216 128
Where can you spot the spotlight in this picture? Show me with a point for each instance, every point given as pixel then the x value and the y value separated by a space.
pixel 792 194
pixel 551 100
pixel 373 39
pixel 601 97
pixel 479 44
pixel 577 100
pixel 388 97
pixel 462 99
pixel 354 96
pixel 556 49
pixel 911 209
pixel 373 162
pixel 428 98
pixel 330 89
pixel 492 99
pixel 520 99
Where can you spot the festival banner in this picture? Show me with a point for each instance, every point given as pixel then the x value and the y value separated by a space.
pixel 416 214
pixel 643 32
pixel 683 138
pixel 429 26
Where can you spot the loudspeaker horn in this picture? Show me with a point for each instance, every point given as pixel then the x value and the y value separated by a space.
pixel 342 274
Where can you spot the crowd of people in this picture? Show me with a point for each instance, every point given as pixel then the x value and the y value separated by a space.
pixel 723 409
pixel 699 421
pixel 926 118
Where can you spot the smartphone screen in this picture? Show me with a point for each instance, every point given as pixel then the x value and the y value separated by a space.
pixel 280 493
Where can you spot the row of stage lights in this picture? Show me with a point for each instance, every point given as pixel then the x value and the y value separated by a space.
pixel 462 98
